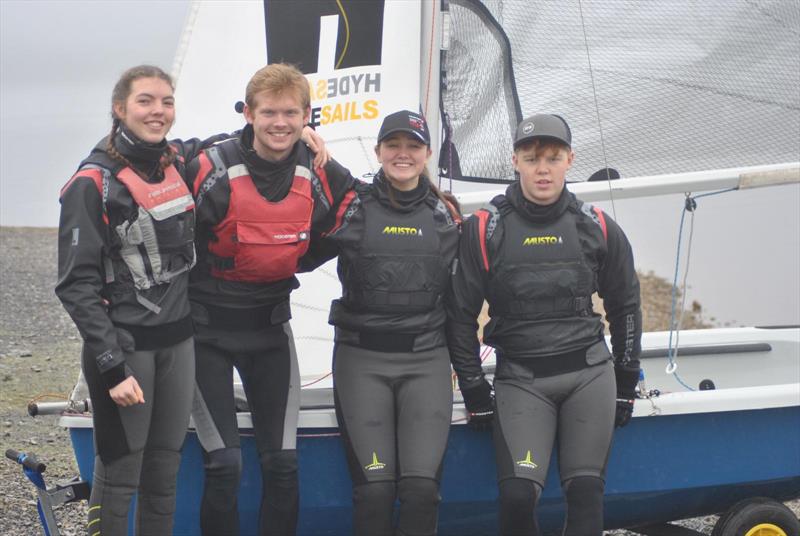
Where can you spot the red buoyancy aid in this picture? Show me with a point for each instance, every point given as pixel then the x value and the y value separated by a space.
pixel 162 199
pixel 261 241
pixel 159 244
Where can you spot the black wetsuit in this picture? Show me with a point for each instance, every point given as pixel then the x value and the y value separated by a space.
pixel 391 370
pixel 123 276
pixel 538 266
pixel 245 324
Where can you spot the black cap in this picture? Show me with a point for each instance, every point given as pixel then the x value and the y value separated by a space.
pixel 405 121
pixel 543 126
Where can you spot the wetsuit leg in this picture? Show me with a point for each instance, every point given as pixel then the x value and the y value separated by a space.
pixel 517 514
pixel 120 436
pixel 214 415
pixel 586 424
pixel 524 432
pixel 365 409
pixel 173 391
pixel 584 495
pixel 113 487
pixel 419 506
pixel 373 504
pixel 525 424
pixel 271 379
pixel 223 469
pixel 424 408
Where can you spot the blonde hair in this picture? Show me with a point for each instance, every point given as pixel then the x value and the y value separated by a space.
pixel 279 79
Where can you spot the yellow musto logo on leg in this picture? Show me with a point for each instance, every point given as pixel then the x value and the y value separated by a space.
pixel 527 462
pixel 375 465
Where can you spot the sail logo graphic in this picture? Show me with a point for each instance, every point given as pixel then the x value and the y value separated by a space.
pixel 402 231
pixel 527 462
pixel 324 35
pixel 327 37
pixel 542 241
pixel 375 465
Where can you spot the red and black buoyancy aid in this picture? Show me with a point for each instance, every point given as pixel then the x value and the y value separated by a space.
pixel 540 270
pixel 261 241
pixel 156 244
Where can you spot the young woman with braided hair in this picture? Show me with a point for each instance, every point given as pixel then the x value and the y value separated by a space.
pixel 126 244
pixel 125 250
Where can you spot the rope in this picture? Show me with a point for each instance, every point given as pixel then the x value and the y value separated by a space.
pixel 674 327
pixel 303 386
pixel 57 396
pixel 309 307
pixel 430 56
pixel 597 110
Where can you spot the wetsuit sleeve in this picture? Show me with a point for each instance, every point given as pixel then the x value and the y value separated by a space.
pixel 464 302
pixel 190 149
pixel 338 188
pixel 82 238
pixel 619 288
pixel 319 252
pixel 326 244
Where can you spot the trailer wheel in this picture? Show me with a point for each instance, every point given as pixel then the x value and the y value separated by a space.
pixel 758 516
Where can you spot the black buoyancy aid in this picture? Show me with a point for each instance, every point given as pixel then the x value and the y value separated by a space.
pixel 399 266
pixel 261 241
pixel 543 273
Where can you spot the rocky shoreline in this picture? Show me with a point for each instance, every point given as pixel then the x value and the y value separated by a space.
pixel 39 349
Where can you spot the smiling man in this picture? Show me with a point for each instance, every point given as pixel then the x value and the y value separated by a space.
pixel 259 200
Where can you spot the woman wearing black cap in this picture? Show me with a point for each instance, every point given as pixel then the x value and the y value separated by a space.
pixel 537 255
pixel 393 393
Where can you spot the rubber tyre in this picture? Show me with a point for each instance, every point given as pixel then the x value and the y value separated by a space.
pixel 758 516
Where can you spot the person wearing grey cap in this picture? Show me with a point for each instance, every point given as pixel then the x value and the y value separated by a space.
pixel 537 254
pixel 391 369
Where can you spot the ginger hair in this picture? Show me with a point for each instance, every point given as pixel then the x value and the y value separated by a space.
pixel 279 79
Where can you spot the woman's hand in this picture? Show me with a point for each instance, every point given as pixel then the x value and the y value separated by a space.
pixel 127 392
pixel 317 145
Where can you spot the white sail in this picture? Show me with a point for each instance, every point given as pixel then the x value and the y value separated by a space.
pixel 465 52
pixel 225 43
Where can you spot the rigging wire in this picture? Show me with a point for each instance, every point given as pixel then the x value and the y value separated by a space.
pixel 674 327
pixel 429 81
pixel 597 110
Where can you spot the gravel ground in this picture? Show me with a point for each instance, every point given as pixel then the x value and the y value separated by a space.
pixel 39 349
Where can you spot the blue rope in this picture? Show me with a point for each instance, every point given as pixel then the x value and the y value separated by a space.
pixel 690 202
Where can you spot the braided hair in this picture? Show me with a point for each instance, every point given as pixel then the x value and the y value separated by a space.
pixel 120 94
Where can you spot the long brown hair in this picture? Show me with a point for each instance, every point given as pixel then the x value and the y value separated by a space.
pixel 119 95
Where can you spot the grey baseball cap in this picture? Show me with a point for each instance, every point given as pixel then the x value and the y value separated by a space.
pixel 543 126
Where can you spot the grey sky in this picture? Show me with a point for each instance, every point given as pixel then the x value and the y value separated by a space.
pixel 58 62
